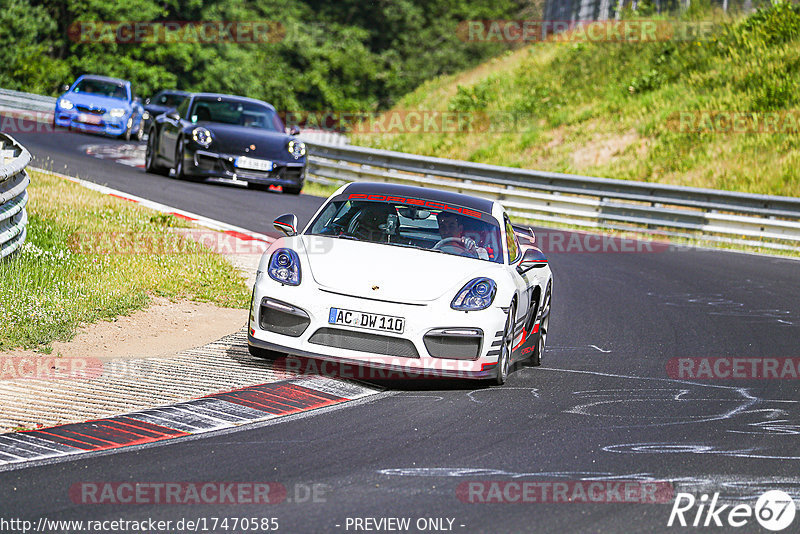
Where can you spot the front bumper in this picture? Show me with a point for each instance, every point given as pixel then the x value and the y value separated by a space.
pixel 207 164
pixel 107 125
pixel 405 355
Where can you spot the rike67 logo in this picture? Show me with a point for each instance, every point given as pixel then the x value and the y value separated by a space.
pixel 774 510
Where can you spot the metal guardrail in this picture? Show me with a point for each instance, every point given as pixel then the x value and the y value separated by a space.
pixel 583 201
pixel 27 101
pixel 13 194
pixel 742 218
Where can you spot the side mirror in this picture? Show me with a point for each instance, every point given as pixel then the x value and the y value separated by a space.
pixel 147 102
pixel 294 130
pixel 532 259
pixel 64 88
pixel 173 115
pixel 286 223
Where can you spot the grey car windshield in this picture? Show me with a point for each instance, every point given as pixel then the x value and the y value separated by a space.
pixel 403 225
pixel 102 88
pixel 246 114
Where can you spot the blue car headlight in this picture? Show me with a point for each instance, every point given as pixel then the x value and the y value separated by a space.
pixel 477 294
pixel 63 103
pixel 284 267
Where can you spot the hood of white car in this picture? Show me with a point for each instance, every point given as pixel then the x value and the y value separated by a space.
pixel 388 272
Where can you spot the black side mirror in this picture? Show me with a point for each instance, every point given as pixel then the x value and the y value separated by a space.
pixel 294 130
pixel 286 223
pixel 532 259
pixel 64 88
pixel 173 115
pixel 147 102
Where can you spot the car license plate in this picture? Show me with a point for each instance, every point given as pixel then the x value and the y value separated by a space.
pixel 243 162
pixel 89 119
pixel 372 321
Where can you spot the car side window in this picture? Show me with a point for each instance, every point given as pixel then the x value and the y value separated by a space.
pixel 183 109
pixel 511 241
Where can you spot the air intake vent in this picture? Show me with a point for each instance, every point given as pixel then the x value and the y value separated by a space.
pixel 364 342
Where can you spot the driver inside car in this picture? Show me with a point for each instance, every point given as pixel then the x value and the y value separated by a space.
pixel 451 228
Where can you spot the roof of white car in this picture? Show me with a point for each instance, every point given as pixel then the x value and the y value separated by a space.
pixel 410 191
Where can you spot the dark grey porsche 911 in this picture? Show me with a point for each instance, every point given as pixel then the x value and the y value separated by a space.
pixel 230 137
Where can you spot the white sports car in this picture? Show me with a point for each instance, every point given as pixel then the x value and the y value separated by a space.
pixel 408 279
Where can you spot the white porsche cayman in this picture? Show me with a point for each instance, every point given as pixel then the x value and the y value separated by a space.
pixel 408 279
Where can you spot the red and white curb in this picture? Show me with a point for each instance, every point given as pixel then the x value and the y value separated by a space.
pixel 207 414
pixel 229 229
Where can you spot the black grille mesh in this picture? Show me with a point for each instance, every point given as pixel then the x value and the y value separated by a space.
pixel 364 342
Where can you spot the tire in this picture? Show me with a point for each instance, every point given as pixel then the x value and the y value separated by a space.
pixel 544 327
pixel 140 132
pixel 179 175
pixel 264 354
pixel 150 164
pixel 504 360
pixel 127 134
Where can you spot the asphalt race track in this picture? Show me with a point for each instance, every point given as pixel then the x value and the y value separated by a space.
pixel 602 407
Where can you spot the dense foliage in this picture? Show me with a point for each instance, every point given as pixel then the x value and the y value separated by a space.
pixel 658 111
pixel 344 55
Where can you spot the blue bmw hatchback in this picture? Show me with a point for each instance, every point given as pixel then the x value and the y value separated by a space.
pixel 99 104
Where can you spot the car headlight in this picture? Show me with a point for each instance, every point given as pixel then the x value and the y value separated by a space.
pixel 202 136
pixel 145 115
pixel 297 148
pixel 65 104
pixel 284 267
pixel 477 294
pixel 117 113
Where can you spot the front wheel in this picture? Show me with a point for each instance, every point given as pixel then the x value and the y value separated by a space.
pixel 150 155
pixel 179 174
pixel 140 131
pixel 504 360
pixel 126 135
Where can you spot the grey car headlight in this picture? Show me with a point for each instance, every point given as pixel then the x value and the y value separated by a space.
pixel 117 113
pixel 296 148
pixel 202 136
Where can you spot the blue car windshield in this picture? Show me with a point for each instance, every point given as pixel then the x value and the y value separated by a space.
pixel 101 88
pixel 452 230
pixel 247 114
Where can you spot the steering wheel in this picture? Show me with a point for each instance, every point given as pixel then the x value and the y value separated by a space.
pixel 454 245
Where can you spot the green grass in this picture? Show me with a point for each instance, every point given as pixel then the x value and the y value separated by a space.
pixel 68 273
pixel 611 109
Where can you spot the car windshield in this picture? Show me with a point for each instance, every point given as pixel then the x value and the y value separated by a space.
pixel 102 88
pixel 412 223
pixel 170 100
pixel 247 114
